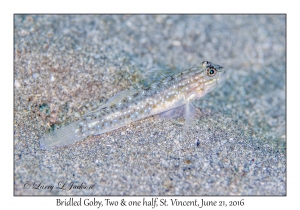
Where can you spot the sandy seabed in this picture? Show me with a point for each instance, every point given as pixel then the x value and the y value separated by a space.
pixel 67 65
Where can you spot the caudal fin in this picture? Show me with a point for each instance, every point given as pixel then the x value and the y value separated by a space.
pixel 62 137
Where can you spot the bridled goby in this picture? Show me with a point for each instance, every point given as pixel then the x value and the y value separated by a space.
pixel 167 91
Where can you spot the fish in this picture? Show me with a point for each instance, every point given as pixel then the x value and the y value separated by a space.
pixel 164 91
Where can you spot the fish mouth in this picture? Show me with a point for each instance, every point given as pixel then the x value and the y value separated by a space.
pixel 218 81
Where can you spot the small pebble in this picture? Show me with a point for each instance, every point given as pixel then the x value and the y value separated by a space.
pixel 17 84
pixel 35 75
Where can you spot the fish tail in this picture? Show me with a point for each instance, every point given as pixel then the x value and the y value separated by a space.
pixel 62 137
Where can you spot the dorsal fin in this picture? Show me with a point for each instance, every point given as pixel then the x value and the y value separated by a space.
pixel 119 97
pixel 155 75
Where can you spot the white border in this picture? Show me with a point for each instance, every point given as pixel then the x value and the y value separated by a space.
pixel 187 6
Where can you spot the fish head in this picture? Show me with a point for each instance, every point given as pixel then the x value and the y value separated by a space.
pixel 214 76
pixel 207 77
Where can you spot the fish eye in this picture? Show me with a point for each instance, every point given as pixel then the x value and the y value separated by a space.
pixel 211 72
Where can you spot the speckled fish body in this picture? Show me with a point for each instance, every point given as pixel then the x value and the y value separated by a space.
pixel 169 92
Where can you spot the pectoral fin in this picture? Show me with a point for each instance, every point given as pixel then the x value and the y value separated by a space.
pixel 189 115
